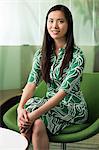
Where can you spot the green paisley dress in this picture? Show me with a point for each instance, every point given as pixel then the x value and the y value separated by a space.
pixel 73 108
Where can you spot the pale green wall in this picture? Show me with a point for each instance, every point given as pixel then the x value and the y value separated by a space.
pixel 9 67
pixel 16 62
pixel 89 53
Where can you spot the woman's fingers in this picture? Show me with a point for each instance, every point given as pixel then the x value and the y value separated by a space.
pixel 24 123
pixel 26 115
pixel 22 130
pixel 23 114
pixel 25 128
pixel 23 117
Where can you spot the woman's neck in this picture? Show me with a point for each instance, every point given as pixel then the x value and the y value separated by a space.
pixel 59 44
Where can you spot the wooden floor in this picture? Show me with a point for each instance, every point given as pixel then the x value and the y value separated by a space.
pixel 89 144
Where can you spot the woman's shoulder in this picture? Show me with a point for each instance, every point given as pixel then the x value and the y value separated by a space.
pixel 37 53
pixel 77 51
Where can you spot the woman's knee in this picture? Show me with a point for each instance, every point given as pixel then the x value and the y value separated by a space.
pixel 38 127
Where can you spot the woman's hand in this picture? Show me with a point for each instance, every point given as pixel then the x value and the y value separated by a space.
pixel 22 117
pixel 28 125
pixel 25 121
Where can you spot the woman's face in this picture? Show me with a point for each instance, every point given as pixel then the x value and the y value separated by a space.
pixel 57 25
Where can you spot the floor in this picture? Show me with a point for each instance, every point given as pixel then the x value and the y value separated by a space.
pixel 89 144
pixel 7 94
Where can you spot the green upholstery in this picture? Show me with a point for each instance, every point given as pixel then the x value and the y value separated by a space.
pixel 74 133
pixel 10 118
pixel 90 88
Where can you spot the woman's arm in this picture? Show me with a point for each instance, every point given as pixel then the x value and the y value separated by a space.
pixel 27 94
pixel 22 113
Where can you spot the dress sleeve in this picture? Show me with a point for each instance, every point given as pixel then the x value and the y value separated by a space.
pixel 74 72
pixel 35 74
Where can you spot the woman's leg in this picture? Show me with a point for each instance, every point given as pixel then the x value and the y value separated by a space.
pixel 27 135
pixel 40 139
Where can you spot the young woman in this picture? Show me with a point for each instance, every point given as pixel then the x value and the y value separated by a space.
pixel 60 63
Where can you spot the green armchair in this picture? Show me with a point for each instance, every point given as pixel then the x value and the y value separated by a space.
pixel 73 133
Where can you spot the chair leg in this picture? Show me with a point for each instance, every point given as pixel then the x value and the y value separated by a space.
pixel 63 145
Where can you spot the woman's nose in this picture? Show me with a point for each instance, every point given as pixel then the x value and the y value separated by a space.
pixel 55 25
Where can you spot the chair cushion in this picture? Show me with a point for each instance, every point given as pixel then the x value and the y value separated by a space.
pixel 75 128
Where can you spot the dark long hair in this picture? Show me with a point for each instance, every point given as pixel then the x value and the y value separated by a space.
pixel 48 42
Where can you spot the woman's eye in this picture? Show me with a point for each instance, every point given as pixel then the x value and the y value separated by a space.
pixel 61 21
pixel 51 21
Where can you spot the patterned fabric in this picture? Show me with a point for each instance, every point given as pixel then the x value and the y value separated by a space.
pixel 73 108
